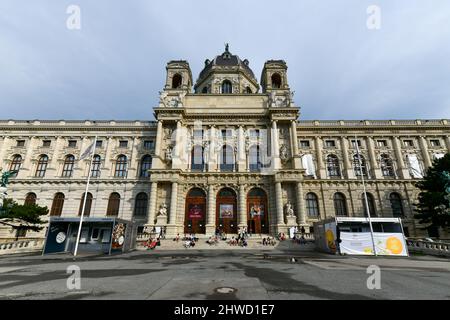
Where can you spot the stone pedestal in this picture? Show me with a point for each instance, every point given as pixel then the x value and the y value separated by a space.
pixel 161 221
pixel 291 221
pixel 210 230
pixel 171 231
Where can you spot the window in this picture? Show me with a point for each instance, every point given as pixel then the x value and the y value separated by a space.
pixel 333 168
pixel 435 143
pixel 30 199
pixel 370 203
pixel 15 164
pixel 408 143
pixel 312 205
pixel 226 134
pixel 304 143
pixel 330 143
pixel 113 205
pixel 140 205
pixel 57 205
pixel 396 205
pixel 205 90
pixel 21 143
pixel 254 133
pixel 227 87
pixel 121 166
pixel 248 90
pixel 197 160
pixel 227 159
pixel 123 143
pixel 254 158
pixel 146 164
pixel 340 204
pixel 72 143
pixel 276 81
pixel 96 164
pixel 41 166
pixel 46 143
pixel 198 135
pixel 88 206
pixel 356 142
pixel 359 165
pixel 387 166
pixel 99 143
pixel 381 143
pixel 149 144
pixel 68 166
pixel 177 81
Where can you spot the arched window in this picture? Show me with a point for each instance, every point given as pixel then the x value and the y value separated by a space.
pixel 121 166
pixel 227 158
pixel 357 167
pixel 370 203
pixel 87 208
pixel 146 164
pixel 312 205
pixel 141 204
pixel 30 199
pixel 57 205
pixel 276 81
pixel 396 205
pixel 15 164
pixel 387 167
pixel 197 158
pixel 42 166
pixel 177 81
pixel 96 164
pixel 254 158
pixel 69 162
pixel 333 168
pixel 340 204
pixel 227 87
pixel 113 205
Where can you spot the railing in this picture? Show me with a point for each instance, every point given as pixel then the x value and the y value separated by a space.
pixel 438 248
pixel 21 246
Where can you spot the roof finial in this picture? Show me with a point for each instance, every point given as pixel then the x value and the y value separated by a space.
pixel 227 47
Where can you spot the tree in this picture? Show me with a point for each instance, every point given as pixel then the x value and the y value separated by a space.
pixel 24 217
pixel 433 208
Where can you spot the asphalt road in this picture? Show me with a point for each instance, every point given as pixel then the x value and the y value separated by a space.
pixel 219 275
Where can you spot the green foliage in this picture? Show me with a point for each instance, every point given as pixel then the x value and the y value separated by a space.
pixel 433 208
pixel 30 214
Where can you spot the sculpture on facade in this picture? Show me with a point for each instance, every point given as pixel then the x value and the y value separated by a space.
pixel 284 153
pixel 4 185
pixel 289 210
pixel 162 210
pixel 169 153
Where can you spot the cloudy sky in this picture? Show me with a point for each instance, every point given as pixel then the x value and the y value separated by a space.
pixel 114 66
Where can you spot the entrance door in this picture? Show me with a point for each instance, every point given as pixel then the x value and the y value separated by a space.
pixel 226 212
pixel 194 221
pixel 257 211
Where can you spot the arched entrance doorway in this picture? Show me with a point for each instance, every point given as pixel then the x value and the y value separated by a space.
pixel 257 211
pixel 226 212
pixel 194 221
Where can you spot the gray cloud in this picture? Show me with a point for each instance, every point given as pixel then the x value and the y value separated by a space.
pixel 114 66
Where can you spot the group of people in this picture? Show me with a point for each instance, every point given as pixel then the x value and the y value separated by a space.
pixel 282 236
pixel 189 241
pixel 269 241
pixel 213 240
pixel 239 241
pixel 152 243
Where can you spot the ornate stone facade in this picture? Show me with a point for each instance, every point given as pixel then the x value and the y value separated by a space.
pixel 225 158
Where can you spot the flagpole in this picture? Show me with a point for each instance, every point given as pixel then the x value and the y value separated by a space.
pixel 365 196
pixel 85 198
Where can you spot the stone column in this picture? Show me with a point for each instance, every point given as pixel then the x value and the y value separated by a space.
pixel 152 206
pixel 4 147
pixel 211 217
pixel 26 167
pixel 319 159
pixel 301 210
pixel 447 142
pixel 279 204
pixel 133 170
pixel 176 152
pixel 53 165
pixel 157 161
pixel 373 160
pixel 173 204
pixel 425 154
pixel 242 207
pixel 241 161
pixel 402 169
pixel 275 146
pixel 212 161
pixel 295 149
pixel 106 169
pixel 347 164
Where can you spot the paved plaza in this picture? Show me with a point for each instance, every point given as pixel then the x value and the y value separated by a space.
pixel 217 274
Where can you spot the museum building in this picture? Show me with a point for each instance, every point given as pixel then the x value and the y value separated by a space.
pixel 226 152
